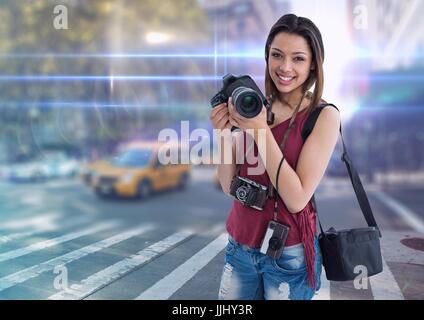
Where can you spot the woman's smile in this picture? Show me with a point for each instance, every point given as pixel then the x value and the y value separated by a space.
pixel 285 80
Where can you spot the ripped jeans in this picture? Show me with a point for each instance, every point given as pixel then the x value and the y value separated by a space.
pixel 251 275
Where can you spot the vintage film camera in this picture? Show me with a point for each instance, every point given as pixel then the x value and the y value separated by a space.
pixel 249 192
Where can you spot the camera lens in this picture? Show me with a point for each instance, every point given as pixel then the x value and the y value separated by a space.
pixel 247 102
pixel 241 193
pixel 275 243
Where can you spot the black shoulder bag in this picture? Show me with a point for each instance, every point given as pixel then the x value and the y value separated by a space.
pixel 346 249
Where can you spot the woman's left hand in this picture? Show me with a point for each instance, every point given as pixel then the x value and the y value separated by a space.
pixel 258 122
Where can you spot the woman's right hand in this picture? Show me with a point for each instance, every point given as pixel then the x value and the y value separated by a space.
pixel 220 117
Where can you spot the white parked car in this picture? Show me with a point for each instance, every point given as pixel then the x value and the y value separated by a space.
pixel 58 165
pixel 29 171
pixel 48 165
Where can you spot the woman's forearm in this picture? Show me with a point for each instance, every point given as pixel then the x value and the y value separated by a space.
pixel 227 162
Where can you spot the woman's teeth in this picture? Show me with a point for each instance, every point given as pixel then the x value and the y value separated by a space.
pixel 285 78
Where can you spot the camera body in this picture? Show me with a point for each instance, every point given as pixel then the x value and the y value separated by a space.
pixel 247 97
pixel 249 192
pixel 274 240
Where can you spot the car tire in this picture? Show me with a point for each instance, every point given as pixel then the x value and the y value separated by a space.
pixel 183 183
pixel 145 189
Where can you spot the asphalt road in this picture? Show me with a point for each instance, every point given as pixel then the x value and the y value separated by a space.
pixel 59 241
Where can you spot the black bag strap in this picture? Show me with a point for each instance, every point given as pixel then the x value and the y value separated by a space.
pixel 361 196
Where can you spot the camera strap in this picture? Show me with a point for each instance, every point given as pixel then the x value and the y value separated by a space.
pixel 272 191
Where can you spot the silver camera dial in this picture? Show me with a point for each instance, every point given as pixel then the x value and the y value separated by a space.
pixel 241 193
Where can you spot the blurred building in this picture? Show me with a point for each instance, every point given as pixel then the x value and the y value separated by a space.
pixel 241 26
pixel 243 20
pixel 386 79
pixel 387 35
pixel 389 31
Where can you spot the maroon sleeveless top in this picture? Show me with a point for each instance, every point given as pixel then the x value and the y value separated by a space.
pixel 248 226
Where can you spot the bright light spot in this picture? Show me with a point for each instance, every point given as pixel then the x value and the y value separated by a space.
pixel 111 83
pixel 157 37
pixel 347 109
pixel 338 47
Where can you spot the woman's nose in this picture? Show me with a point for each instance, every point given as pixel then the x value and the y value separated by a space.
pixel 285 66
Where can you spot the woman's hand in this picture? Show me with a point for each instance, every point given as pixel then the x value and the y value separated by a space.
pixel 220 117
pixel 235 119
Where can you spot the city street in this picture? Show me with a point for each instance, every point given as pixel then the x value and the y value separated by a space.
pixel 58 240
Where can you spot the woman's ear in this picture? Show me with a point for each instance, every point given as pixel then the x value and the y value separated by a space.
pixel 312 66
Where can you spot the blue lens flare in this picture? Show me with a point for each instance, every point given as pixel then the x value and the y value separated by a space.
pixel 107 78
pixel 214 55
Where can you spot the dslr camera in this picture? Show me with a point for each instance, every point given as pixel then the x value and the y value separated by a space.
pixel 249 192
pixel 274 240
pixel 247 97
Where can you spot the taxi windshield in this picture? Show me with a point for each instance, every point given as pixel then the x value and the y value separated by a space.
pixel 133 158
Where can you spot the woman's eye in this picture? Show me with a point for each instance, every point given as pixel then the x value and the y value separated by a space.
pixel 276 55
pixel 299 59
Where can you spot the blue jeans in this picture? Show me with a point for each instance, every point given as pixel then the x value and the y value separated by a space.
pixel 251 275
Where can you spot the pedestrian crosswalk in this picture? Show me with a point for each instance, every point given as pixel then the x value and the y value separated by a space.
pixel 163 289
pixel 112 234
pixel 31 272
pixel 119 269
pixel 384 285
pixel 55 241
pixel 40 230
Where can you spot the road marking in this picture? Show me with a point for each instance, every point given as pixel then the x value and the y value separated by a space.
pixel 17 192
pixel 84 207
pixel 42 229
pixel 55 241
pixel 34 200
pixel 164 288
pixel 37 222
pixel 106 276
pixel 410 217
pixel 324 292
pixel 384 285
pixel 32 272
pixel 54 184
pixel 25 196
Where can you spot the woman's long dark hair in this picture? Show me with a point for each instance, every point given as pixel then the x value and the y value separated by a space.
pixel 305 28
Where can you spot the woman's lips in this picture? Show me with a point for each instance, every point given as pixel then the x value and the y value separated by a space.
pixel 285 80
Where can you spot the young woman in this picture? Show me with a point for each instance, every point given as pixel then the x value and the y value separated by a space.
pixel 294 55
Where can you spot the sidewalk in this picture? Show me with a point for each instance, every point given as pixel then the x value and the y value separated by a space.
pixel 406 263
pixel 402 250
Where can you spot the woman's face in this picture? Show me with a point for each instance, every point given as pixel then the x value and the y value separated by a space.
pixel 289 62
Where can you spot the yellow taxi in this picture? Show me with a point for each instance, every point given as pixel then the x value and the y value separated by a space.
pixel 88 170
pixel 137 172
